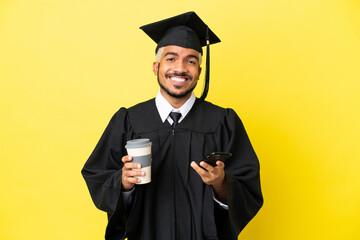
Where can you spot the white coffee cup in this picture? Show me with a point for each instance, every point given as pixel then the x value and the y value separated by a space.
pixel 140 150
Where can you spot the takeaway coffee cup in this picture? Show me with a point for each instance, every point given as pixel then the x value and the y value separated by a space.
pixel 140 150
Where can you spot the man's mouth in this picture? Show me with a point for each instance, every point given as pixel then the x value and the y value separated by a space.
pixel 178 79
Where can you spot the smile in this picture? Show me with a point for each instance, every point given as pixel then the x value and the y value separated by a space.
pixel 178 79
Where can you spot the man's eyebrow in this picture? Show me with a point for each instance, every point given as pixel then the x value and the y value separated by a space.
pixel 171 53
pixel 193 56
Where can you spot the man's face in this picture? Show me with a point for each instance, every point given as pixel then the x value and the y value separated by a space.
pixel 178 71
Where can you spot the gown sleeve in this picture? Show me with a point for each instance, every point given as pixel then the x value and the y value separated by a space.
pixel 241 172
pixel 102 171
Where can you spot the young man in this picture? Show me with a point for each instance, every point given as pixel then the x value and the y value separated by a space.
pixel 187 198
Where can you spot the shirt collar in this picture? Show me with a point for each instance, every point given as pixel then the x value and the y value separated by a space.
pixel 164 107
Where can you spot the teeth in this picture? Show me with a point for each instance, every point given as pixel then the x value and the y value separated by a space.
pixel 176 79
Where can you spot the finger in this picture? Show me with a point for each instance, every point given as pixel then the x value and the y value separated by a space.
pixel 220 164
pixel 207 166
pixel 135 173
pixel 198 169
pixel 132 180
pixel 126 158
pixel 131 165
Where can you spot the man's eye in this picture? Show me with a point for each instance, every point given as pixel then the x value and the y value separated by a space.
pixel 170 59
pixel 192 62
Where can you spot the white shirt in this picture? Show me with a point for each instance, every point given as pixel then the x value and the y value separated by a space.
pixel 164 108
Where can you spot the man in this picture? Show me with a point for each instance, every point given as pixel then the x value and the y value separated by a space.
pixel 187 198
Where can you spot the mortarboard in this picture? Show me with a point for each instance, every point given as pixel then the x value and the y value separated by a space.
pixel 186 30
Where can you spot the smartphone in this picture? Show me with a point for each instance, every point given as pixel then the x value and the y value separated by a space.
pixel 216 156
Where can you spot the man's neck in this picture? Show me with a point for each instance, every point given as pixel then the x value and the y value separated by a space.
pixel 175 102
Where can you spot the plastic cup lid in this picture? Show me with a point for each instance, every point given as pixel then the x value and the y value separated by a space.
pixel 138 143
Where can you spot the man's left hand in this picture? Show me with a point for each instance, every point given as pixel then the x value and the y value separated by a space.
pixel 214 176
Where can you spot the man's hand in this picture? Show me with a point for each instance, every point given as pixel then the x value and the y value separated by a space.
pixel 214 176
pixel 128 176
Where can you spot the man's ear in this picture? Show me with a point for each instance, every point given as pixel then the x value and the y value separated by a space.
pixel 155 68
pixel 199 70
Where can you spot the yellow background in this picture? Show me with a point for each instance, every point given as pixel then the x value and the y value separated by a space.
pixel 290 69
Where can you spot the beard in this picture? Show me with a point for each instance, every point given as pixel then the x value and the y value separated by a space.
pixel 175 95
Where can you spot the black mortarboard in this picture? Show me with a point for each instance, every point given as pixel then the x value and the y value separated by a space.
pixel 186 30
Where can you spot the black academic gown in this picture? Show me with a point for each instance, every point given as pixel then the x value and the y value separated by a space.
pixel 176 204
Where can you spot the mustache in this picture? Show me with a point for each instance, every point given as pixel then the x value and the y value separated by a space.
pixel 177 74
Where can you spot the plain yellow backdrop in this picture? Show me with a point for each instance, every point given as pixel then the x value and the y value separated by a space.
pixel 290 69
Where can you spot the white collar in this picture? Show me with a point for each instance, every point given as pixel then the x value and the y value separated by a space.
pixel 164 107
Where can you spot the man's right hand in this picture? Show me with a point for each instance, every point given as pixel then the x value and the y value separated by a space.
pixel 129 175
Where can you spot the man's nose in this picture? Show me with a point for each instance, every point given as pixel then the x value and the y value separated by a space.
pixel 180 67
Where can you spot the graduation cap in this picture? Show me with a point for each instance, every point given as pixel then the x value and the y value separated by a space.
pixel 186 30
